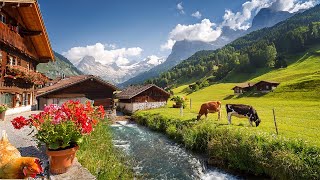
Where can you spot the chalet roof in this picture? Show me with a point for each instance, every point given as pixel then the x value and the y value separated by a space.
pixel 270 82
pixel 244 85
pixel 32 20
pixel 133 91
pixel 59 84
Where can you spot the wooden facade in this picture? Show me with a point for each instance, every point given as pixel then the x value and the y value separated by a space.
pixel 266 86
pixel 261 86
pixel 82 87
pixel 24 44
pixel 142 97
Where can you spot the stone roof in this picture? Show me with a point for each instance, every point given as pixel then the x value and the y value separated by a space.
pixel 60 83
pixel 133 91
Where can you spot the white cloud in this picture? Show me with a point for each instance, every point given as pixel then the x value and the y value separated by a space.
pixel 240 20
pixel 168 45
pixel 154 60
pixel 102 54
pixel 292 5
pixel 180 8
pixel 205 31
pixel 196 14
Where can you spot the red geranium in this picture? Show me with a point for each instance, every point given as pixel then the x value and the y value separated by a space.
pixel 20 122
pixel 61 126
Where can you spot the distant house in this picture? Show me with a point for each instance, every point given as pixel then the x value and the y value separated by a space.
pixel 261 86
pixel 243 87
pixel 142 97
pixel 266 86
pixel 82 88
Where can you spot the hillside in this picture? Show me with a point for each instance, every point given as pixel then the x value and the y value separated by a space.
pixel 181 50
pixel 267 48
pixel 295 100
pixel 60 66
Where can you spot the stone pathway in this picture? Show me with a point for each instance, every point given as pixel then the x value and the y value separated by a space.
pixel 28 147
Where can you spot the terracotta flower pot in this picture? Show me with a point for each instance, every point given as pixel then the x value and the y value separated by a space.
pixel 61 160
pixel 2 115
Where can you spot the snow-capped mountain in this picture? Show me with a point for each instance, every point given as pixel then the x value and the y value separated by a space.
pixel 116 73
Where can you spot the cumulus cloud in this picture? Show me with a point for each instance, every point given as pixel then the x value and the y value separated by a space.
pixel 292 5
pixel 103 53
pixel 196 14
pixel 240 20
pixel 168 45
pixel 180 8
pixel 205 31
pixel 154 60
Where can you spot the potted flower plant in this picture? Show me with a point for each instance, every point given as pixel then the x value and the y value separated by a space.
pixel 61 129
pixel 3 108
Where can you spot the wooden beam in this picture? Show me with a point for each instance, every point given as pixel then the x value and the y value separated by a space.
pixel 18 1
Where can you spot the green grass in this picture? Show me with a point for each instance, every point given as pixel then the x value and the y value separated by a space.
pixel 296 101
pixel 293 154
pixel 99 156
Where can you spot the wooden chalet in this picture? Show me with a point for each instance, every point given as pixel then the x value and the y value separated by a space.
pixel 261 86
pixel 142 97
pixel 24 43
pixel 243 87
pixel 82 88
pixel 266 86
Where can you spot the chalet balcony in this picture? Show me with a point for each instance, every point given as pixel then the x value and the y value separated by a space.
pixel 13 39
pixel 21 77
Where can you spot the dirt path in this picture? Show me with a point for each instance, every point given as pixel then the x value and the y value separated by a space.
pixel 28 147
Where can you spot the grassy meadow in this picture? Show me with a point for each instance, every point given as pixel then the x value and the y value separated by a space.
pixel 296 101
pixel 293 154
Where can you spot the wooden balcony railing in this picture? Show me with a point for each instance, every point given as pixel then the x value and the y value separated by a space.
pixel 14 39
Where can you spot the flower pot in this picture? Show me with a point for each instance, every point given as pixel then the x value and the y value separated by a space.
pixel 61 160
pixel 2 115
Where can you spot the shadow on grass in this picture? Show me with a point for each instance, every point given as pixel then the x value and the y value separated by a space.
pixel 251 94
pixel 229 97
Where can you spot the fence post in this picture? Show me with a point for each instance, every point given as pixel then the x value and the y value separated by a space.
pixel 181 110
pixel 275 122
pixel 190 104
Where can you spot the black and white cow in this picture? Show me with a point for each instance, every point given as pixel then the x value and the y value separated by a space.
pixel 243 111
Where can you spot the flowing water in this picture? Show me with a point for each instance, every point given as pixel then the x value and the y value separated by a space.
pixel 158 157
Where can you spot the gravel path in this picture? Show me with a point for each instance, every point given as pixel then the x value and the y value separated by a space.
pixel 28 147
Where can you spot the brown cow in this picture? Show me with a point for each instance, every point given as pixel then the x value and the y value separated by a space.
pixel 210 107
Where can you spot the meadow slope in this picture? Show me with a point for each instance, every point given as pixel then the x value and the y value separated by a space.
pixel 296 100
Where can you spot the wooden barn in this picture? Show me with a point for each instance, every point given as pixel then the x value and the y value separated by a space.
pixel 24 43
pixel 266 86
pixel 142 97
pixel 243 87
pixel 82 88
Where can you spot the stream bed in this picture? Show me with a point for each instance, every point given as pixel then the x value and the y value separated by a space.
pixel 157 157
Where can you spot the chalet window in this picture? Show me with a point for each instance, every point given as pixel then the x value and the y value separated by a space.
pixel 7 98
pixel 29 99
pixel 3 18
pixel 25 99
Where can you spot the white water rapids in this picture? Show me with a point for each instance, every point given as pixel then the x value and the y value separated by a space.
pixel 158 157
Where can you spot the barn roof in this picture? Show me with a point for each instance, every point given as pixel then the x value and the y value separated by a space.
pixel 244 85
pixel 270 82
pixel 133 91
pixel 59 84
pixel 33 22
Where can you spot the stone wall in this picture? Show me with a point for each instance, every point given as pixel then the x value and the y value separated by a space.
pixel 132 107
pixel 59 101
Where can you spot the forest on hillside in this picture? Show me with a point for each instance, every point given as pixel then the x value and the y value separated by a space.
pixel 268 47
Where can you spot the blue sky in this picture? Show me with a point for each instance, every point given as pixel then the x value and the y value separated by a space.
pixel 128 30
